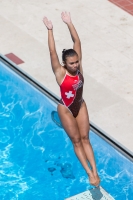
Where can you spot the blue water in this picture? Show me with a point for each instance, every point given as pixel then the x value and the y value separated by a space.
pixel 37 160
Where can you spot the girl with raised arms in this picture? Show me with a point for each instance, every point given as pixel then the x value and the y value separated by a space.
pixel 72 108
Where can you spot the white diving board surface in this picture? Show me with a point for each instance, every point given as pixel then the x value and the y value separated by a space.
pixel 97 193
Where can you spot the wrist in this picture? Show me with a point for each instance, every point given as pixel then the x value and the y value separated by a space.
pixel 69 23
pixel 50 29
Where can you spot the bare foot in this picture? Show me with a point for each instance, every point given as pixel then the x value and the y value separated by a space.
pixel 97 178
pixel 94 180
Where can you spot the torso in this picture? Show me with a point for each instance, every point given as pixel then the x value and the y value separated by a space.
pixel 71 90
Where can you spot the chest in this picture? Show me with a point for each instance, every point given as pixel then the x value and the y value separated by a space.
pixel 72 82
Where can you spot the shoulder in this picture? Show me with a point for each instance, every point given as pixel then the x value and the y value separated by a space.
pixel 60 74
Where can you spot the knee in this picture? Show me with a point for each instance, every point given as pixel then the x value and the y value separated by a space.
pixel 76 142
pixel 85 139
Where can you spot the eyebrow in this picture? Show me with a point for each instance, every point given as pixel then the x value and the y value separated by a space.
pixel 74 62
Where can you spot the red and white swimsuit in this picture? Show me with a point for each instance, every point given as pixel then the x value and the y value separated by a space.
pixel 71 90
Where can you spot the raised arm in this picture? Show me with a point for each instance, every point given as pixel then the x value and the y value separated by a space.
pixel 56 66
pixel 74 35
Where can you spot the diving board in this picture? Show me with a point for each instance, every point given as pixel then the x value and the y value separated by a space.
pixel 97 193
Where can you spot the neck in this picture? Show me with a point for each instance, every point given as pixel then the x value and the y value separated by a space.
pixel 72 73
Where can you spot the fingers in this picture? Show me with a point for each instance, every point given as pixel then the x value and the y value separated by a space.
pixel 65 14
pixel 45 20
pixel 66 17
pixel 47 23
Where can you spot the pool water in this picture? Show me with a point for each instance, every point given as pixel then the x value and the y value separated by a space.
pixel 37 160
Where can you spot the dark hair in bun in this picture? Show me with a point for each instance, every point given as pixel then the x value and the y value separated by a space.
pixel 68 53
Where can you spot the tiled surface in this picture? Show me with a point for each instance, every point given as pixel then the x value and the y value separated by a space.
pixel 126 5
pixel 106 33
pixel 14 58
pixel 96 193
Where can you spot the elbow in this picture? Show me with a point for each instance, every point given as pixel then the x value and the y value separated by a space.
pixel 79 42
pixel 52 51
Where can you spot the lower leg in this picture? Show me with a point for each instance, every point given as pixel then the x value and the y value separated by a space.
pixel 89 153
pixel 90 156
pixel 79 150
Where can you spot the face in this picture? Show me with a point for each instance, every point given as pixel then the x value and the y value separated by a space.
pixel 72 63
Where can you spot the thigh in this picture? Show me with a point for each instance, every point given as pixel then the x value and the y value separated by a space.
pixel 83 121
pixel 69 122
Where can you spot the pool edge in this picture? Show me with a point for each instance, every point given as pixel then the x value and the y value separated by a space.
pixel 121 148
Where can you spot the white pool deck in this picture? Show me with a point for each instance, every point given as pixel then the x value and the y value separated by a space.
pixel 94 194
pixel 106 33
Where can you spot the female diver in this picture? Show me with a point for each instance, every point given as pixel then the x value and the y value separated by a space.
pixel 72 108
